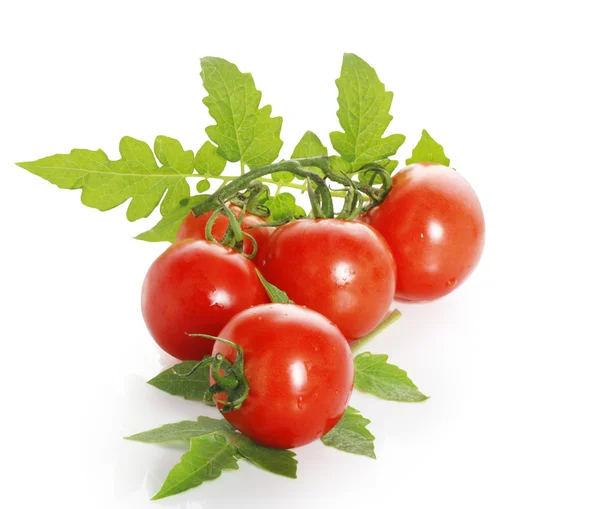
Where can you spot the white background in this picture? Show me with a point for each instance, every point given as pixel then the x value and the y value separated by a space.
pixel 510 360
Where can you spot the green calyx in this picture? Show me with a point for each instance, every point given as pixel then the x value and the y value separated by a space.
pixel 228 376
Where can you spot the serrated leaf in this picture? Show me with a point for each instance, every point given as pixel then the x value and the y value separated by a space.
pixel 202 185
pixel 172 200
pixel 427 150
pixel 364 107
pixel 205 461
pixel 373 374
pixel 275 294
pixel 277 461
pixel 309 146
pixel 193 386
pixel 350 434
pixel 282 206
pixel 184 430
pixel 208 162
pixel 105 184
pixel 339 165
pixel 170 153
pixel 243 131
pixel 166 229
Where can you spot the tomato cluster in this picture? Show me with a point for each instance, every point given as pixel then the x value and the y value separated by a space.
pixel 420 243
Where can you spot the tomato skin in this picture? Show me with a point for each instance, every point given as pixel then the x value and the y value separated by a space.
pixel 433 222
pixel 342 269
pixel 300 371
pixel 195 228
pixel 196 286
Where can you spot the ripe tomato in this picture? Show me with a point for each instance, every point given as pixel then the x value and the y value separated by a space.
pixel 342 269
pixel 195 228
pixel 300 371
pixel 434 225
pixel 196 286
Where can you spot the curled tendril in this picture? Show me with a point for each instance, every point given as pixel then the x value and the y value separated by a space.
pixel 251 255
pixel 234 236
pixel 211 223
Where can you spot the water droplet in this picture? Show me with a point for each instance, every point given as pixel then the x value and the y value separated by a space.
pixel 300 402
pixel 451 282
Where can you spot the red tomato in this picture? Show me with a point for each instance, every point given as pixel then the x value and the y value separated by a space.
pixel 300 371
pixel 196 286
pixel 342 269
pixel 434 225
pixel 195 228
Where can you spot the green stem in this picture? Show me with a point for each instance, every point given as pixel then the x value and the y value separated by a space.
pixel 386 322
pixel 295 166
pixel 235 227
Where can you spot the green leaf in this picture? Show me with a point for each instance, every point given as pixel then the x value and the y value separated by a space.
pixel 275 294
pixel 276 461
pixel 208 162
pixel 282 206
pixel 373 374
pixel 184 430
pixel 243 131
pixel 192 386
pixel 166 229
pixel 172 200
pixel 105 184
pixel 170 153
pixel 205 461
pixel 202 185
pixel 339 165
pixel 364 107
pixel 428 150
pixel 309 146
pixel 350 434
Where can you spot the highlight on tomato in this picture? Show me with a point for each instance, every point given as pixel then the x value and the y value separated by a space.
pixel 299 372
pixel 434 225
pixel 196 286
pixel 342 269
